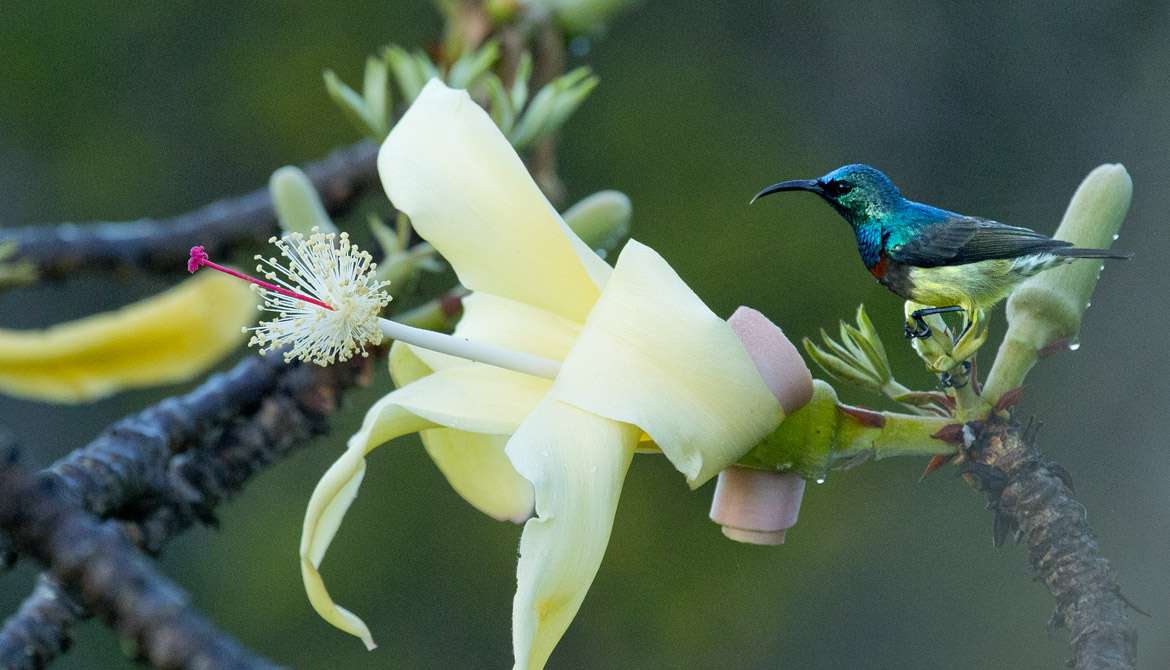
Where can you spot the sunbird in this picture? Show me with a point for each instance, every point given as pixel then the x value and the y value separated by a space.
pixel 948 261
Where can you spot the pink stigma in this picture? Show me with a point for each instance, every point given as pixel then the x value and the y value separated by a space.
pixel 199 259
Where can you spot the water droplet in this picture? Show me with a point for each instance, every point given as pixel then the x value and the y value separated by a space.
pixel 1101 269
pixel 820 480
pixel 1073 346
pixel 1116 236
pixel 1088 305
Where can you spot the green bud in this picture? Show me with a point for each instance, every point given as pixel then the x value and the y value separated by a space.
pixel 376 91
pixel 352 105
pixel 935 350
pixel 406 71
pixel 858 358
pixel 470 67
pixel 1046 310
pixel 499 103
pixel 14 272
pixel 582 16
pixel 837 367
pixel 298 207
pixel 553 105
pixel 601 220
pixel 519 91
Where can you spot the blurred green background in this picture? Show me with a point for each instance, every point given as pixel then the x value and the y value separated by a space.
pixel 120 110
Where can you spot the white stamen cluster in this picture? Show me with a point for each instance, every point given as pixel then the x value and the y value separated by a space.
pixel 326 267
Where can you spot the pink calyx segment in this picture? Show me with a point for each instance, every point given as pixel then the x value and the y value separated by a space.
pixel 758 506
pixel 199 259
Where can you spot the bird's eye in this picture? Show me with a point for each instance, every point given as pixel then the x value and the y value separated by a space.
pixel 838 188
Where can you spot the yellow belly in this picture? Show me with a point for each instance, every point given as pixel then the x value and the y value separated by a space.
pixel 971 286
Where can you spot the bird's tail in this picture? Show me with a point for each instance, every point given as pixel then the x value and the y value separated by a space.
pixel 1077 252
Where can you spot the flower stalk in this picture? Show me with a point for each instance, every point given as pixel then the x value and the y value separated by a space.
pixel 826 434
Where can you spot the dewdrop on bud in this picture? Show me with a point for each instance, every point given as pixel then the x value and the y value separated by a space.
pixel 326 297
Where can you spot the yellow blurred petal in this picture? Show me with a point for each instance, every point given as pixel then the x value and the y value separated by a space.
pixel 576 461
pixel 170 337
pixel 447 166
pixel 477 468
pixel 653 355
pixel 473 463
pixel 510 324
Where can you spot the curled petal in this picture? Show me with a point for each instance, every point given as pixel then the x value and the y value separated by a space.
pixel 475 398
pixel 167 338
pixel 447 166
pixel 653 355
pixel 327 507
pixel 576 461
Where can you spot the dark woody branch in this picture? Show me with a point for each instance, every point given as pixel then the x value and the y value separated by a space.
pixel 166 468
pixel 1032 500
pixel 161 245
pixel 100 569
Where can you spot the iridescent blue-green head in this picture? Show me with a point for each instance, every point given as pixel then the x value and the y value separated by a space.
pixel 858 192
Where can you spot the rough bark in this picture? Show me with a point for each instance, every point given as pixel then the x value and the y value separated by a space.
pixel 101 570
pixel 1032 500
pixel 166 468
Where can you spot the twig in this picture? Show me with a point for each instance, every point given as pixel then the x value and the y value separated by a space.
pixel 110 577
pixel 161 245
pixel 41 629
pixel 1031 498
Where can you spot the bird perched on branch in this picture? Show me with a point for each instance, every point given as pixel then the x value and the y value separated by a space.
pixel 947 261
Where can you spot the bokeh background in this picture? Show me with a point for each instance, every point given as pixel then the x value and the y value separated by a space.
pixel 119 110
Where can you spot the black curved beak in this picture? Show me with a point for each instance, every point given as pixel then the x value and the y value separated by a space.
pixel 811 185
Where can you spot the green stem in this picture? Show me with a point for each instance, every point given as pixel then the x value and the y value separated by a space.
pixel 826 434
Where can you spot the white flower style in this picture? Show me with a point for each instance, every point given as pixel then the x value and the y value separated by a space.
pixel 626 358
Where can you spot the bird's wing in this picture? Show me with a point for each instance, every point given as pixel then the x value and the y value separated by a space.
pixel 967 239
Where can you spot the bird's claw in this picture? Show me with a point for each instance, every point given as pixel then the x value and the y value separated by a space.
pixel 918 329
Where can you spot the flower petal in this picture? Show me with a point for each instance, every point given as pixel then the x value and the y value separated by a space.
pixel 449 167
pixel 653 355
pixel 475 398
pixel 473 463
pixel 170 337
pixel 576 461
pixel 477 468
pixel 330 501
pixel 507 323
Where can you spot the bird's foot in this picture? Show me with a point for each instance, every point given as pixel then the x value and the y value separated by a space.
pixel 973 337
pixel 917 328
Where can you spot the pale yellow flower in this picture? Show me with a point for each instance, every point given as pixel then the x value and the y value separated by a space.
pixel 640 358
